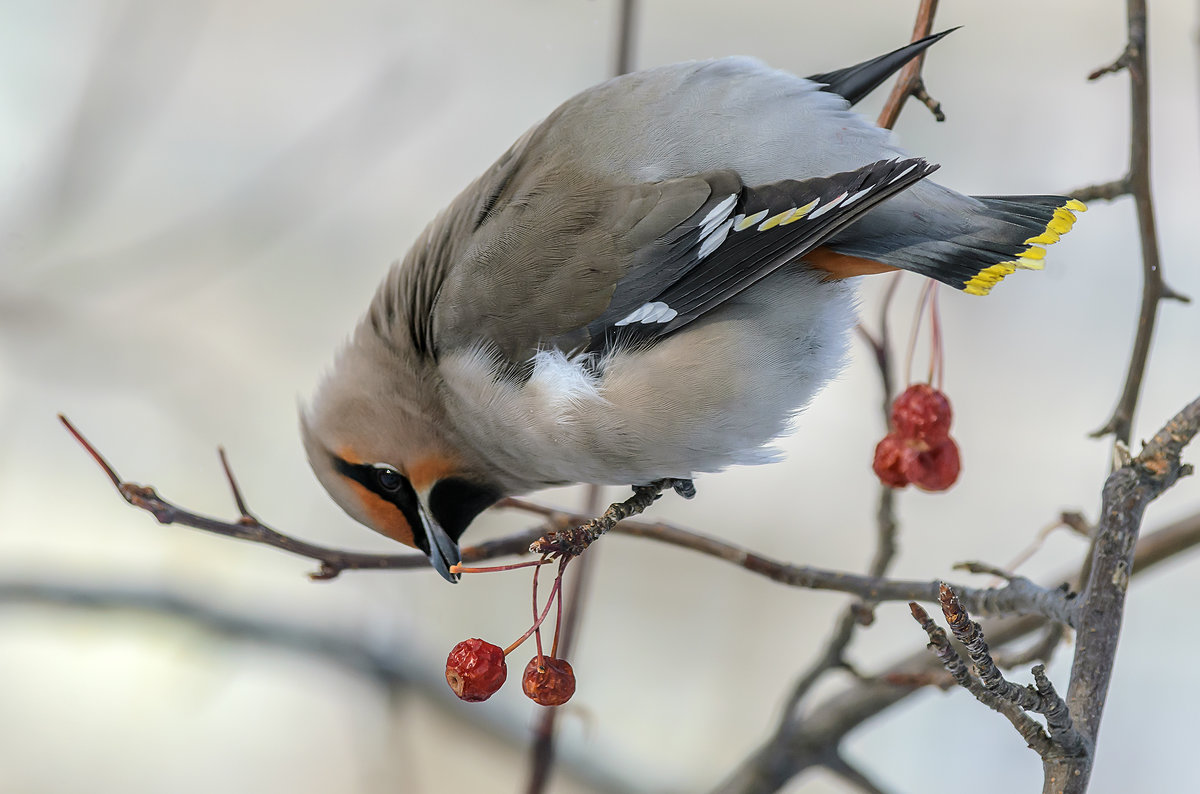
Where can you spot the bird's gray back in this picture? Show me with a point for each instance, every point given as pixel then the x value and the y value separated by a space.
pixel 699 116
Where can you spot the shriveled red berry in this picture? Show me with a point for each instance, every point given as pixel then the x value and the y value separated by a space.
pixel 548 681
pixel 932 467
pixel 922 412
pixel 475 669
pixel 889 461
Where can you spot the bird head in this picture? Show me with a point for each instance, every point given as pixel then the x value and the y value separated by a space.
pixel 378 442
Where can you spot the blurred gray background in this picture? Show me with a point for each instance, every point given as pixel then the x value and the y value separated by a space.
pixel 197 200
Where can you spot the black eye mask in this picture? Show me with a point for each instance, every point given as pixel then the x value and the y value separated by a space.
pixel 391 486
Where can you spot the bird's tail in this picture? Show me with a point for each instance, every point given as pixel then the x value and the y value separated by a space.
pixel 969 243
pixel 1048 217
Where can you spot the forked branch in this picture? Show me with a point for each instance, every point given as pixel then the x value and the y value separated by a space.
pixel 989 686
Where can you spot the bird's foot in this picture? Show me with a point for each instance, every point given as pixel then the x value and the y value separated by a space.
pixel 573 541
pixel 685 488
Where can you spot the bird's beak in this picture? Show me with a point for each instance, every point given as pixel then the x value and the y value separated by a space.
pixel 443 551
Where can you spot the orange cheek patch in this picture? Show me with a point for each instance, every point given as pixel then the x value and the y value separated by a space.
pixel 347 454
pixel 425 472
pixel 385 518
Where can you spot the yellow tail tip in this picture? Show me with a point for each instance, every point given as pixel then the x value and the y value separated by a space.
pixel 1031 257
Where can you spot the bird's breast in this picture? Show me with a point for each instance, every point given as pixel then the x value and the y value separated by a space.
pixel 709 396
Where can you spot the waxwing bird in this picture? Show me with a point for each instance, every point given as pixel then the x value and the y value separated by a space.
pixel 649 284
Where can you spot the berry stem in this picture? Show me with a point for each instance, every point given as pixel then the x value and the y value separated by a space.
pixel 537 630
pixel 537 623
pixel 459 568
pixel 562 566
pixel 937 363
pixel 916 330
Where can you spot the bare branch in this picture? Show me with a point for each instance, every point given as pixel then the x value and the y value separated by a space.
pixel 908 82
pixel 990 687
pixel 1100 607
pixel 1135 61
pixel 799 745
pixel 1064 739
pixel 1120 64
pixel 921 95
pixel 1058 716
pixel 853 775
pixel 1074 723
pixel 333 561
pixel 238 500
pixel 1106 191
pixel 1018 597
pixel 571 541
pixel 625 27
pixel 939 643
pixel 1068 519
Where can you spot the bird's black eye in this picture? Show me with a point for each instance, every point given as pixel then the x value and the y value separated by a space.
pixel 389 480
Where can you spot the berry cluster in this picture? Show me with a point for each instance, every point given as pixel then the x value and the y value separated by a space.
pixel 919 450
pixel 476 669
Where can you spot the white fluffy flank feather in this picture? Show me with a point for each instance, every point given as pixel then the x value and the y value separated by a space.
pixel 708 397
pixel 562 386
pixel 536 430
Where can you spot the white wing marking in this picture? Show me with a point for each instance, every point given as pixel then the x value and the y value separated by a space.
pixel 648 313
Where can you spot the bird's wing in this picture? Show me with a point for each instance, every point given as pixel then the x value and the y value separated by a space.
pixel 742 238
pixel 550 254
pixel 583 265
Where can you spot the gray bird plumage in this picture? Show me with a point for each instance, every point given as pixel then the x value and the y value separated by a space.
pixel 630 292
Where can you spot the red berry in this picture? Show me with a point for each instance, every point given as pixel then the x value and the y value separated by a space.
pixel 548 681
pixel 932 467
pixel 475 669
pixel 889 461
pixel 922 412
